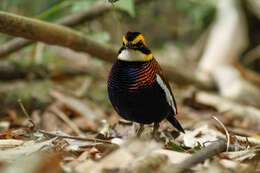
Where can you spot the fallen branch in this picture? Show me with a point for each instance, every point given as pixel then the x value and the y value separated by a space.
pixel 206 153
pixel 228 38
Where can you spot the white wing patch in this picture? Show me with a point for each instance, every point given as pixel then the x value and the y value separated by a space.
pixel 167 92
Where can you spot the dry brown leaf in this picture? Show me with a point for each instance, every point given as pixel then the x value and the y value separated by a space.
pixel 125 157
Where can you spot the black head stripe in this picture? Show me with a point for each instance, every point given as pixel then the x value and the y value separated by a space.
pixel 121 49
pixel 130 36
pixel 141 47
pixel 145 50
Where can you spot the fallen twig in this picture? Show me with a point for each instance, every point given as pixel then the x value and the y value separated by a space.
pixel 226 131
pixel 61 115
pixel 27 115
pixel 74 137
pixel 74 105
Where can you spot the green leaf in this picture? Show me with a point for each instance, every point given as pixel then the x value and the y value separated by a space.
pixel 197 147
pixel 126 5
pixel 175 147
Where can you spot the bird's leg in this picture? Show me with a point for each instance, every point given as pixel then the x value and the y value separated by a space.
pixel 155 128
pixel 140 130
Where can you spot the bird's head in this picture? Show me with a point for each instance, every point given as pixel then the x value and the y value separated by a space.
pixel 134 48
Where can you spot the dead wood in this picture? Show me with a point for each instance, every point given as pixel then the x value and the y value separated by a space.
pixel 206 153
pixel 228 38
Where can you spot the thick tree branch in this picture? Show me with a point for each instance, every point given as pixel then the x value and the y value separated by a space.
pixel 72 20
pixel 53 34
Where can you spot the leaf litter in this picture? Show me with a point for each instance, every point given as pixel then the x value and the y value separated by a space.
pixel 74 136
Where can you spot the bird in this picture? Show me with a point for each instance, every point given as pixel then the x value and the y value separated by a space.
pixel 137 86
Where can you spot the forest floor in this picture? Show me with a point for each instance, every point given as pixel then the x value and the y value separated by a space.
pixel 71 127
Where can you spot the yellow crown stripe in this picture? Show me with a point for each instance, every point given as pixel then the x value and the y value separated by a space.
pixel 124 40
pixel 140 37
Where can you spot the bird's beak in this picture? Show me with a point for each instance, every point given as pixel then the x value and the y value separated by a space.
pixel 129 45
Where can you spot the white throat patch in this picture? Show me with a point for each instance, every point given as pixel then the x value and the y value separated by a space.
pixel 131 55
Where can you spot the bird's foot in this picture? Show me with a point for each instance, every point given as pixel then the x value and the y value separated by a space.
pixel 140 130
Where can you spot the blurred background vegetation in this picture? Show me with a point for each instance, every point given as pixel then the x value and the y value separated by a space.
pixel 176 21
pixel 209 49
pixel 181 21
pixel 171 28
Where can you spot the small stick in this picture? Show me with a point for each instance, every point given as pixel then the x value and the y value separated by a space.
pixel 26 113
pixel 226 131
pixel 75 137
pixel 63 116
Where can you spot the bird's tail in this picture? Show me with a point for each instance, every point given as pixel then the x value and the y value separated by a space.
pixel 175 123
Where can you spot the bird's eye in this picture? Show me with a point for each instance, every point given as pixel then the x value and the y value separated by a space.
pixel 140 44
